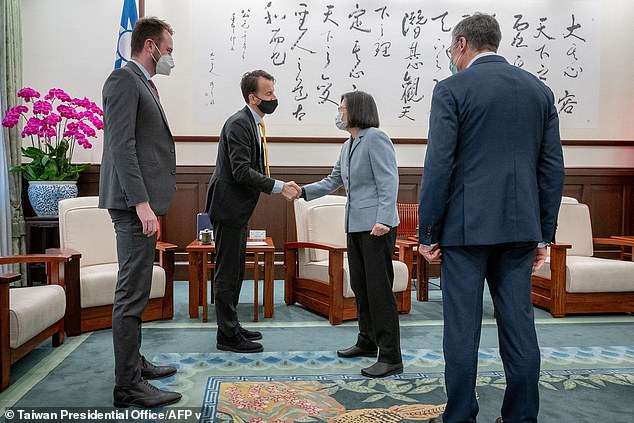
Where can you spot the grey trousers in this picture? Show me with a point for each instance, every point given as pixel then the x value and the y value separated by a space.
pixel 136 258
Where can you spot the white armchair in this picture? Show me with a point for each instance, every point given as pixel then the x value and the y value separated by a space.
pixel 30 315
pixel 572 280
pixel 88 230
pixel 317 274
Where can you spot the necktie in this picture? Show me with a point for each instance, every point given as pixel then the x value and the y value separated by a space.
pixel 266 151
pixel 154 88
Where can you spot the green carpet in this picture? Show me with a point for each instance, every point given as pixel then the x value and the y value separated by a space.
pixel 297 342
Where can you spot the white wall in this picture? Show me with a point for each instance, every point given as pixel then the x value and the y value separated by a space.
pixel 70 44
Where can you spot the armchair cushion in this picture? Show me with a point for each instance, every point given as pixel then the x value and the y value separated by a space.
pixel 88 229
pixel 325 225
pixel 593 274
pixel 318 270
pixel 574 228
pixel 33 309
pixel 98 284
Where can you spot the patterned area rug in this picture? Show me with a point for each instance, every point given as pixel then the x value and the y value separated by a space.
pixel 577 384
pixel 404 398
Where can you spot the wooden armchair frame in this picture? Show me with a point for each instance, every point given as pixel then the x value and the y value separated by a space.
pixel 327 298
pixel 551 293
pixel 80 320
pixel 59 267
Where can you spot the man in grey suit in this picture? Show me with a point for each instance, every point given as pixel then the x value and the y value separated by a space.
pixel 491 191
pixel 137 183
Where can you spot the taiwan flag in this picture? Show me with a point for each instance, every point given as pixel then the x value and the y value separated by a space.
pixel 129 16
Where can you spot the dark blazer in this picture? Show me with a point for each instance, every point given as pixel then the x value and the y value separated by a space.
pixel 494 164
pixel 139 161
pixel 235 186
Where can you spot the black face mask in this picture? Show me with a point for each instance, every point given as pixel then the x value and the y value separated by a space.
pixel 267 106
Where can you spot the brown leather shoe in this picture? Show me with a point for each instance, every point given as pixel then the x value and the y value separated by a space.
pixel 355 351
pixel 380 369
pixel 144 395
pixel 150 371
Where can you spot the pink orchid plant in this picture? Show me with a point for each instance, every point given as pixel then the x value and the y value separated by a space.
pixel 55 124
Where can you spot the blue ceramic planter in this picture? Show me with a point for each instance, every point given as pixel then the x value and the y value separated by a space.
pixel 44 195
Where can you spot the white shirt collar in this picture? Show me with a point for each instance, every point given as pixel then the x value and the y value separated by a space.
pixel 486 53
pixel 257 117
pixel 145 72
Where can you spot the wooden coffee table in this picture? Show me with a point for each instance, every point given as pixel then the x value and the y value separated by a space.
pixel 201 266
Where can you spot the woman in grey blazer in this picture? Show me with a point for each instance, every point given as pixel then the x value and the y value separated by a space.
pixel 367 169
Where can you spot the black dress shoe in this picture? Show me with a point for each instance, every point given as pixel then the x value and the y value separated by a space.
pixel 237 343
pixel 380 369
pixel 355 351
pixel 150 371
pixel 144 395
pixel 251 335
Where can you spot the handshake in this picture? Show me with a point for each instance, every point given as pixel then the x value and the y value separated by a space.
pixel 291 191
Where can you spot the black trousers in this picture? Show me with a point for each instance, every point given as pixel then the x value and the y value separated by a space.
pixel 231 249
pixel 136 258
pixel 507 269
pixel 371 279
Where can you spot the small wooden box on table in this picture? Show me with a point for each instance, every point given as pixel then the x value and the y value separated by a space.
pixel 201 266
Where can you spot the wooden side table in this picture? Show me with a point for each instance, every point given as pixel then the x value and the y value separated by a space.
pixel 40 233
pixel 201 264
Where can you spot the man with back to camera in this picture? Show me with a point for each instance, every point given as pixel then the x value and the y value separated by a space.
pixel 137 182
pixel 241 173
pixel 491 190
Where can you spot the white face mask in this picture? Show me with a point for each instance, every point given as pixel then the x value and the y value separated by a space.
pixel 164 64
pixel 339 123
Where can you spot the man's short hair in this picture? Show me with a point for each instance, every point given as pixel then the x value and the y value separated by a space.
pixel 249 82
pixel 481 31
pixel 151 28
pixel 361 110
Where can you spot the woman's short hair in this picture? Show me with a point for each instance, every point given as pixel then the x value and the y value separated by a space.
pixel 145 28
pixel 361 110
pixel 250 80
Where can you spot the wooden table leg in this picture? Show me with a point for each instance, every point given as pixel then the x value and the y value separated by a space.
pixel 425 279
pixel 195 267
pixel 256 282
pixel 268 284
pixel 203 285
pixel 419 277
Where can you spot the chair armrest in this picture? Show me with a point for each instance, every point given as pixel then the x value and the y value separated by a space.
pixel 406 243
pixel 61 265
pixel 315 245
pixel 613 241
pixel 53 257
pixel 165 246
pixel 6 278
pixel 559 247
pixel 63 251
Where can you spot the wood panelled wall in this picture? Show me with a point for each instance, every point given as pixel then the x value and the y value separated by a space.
pixel 609 193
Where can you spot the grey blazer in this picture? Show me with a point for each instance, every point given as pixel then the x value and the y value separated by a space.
pixel 367 169
pixel 139 161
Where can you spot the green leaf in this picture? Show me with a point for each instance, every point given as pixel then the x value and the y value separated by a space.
pixel 375 397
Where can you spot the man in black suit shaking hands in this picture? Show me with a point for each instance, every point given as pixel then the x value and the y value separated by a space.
pixel 242 172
